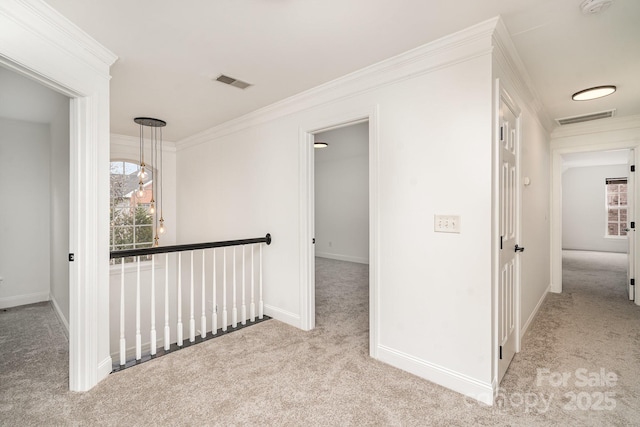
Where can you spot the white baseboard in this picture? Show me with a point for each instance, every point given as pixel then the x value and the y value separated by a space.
pixel 18 300
pixel 477 390
pixel 339 257
pixel 283 316
pixel 523 330
pixel 104 368
pixel 63 320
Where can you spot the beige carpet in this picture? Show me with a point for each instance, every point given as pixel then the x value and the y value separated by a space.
pixel 273 374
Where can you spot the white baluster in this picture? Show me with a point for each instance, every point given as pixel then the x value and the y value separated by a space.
pixel 138 336
pixel 252 307
pixel 234 315
pixel 123 341
pixel 243 315
pixel 179 326
pixel 203 319
pixel 167 329
pixel 260 303
pixel 214 309
pixel 192 319
pixel 152 343
pixel 224 290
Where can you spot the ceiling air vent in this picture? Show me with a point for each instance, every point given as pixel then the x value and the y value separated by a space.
pixel 233 82
pixel 586 117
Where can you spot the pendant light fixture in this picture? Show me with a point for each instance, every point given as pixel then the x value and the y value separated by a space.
pixel 155 208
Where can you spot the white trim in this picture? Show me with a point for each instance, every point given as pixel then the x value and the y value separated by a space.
pixel 307 232
pixel 461 383
pixel 455 48
pixel 523 331
pixel 307 214
pixel 18 300
pixel 105 367
pixel 339 257
pixel 42 44
pixel 282 315
pixel 131 143
pixel 63 320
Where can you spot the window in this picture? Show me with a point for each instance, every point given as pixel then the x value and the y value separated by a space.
pixel 131 221
pixel 616 194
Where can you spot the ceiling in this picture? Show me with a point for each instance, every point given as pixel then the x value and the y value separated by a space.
pixel 170 51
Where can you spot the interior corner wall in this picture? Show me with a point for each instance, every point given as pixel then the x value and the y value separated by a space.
pixel 59 197
pixel 342 194
pixel 430 126
pixel 584 217
pixel 24 217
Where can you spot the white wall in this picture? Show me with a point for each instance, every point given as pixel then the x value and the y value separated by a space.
pixel 59 196
pixel 342 194
pixel 584 217
pixel 433 122
pixel 24 217
pixel 534 261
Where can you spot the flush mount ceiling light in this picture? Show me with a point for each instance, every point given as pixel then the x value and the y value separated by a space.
pixel 593 93
pixel 320 145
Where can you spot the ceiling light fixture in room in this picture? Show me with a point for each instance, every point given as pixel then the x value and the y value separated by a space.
pixel 593 93
pixel 320 145
pixel 155 205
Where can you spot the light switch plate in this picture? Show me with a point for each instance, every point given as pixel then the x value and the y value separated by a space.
pixel 446 223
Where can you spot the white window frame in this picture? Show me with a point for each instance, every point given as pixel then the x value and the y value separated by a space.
pixel 619 207
pixel 133 245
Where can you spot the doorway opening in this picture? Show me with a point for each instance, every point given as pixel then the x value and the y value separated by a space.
pixel 367 116
pixel 341 224
pixel 597 218
pixel 35 180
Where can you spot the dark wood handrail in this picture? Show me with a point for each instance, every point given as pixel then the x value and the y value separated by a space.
pixel 187 247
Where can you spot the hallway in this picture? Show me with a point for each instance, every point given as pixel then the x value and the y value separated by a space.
pixel 274 374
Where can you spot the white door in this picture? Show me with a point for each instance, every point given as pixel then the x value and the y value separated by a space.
pixel 508 224
pixel 631 231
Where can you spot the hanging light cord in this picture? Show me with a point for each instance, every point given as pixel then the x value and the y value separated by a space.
pixel 161 177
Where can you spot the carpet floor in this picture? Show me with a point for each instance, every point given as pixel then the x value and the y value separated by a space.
pixel 274 374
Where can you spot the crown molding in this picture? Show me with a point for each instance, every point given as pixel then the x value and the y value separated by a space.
pixel 131 142
pixel 598 126
pixel 41 20
pixel 455 48
pixel 508 58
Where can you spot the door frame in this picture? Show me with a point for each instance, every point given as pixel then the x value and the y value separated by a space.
pixel 307 217
pixel 556 201
pixel 42 45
